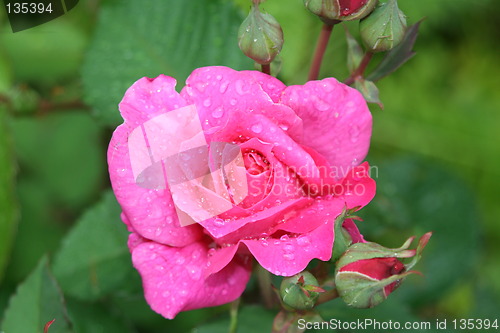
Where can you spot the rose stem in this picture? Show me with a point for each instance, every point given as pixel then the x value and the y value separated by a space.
pixel 233 313
pixel 266 69
pixel 265 285
pixel 323 39
pixel 361 68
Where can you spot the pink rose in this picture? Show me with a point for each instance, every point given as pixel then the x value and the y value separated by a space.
pixel 301 148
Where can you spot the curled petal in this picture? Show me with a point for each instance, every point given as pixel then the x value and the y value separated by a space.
pixel 174 279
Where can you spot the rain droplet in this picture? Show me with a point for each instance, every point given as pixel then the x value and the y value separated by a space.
pixel 256 128
pixel 289 256
pixel 233 102
pixel 180 260
pixel 207 102
pixel 223 87
pixel 284 127
pixel 218 113
pixel 303 241
pixel 288 247
pixel 321 105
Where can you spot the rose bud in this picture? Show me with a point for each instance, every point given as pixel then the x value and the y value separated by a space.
pixel 300 291
pixel 342 10
pixel 384 28
pixel 367 272
pixel 260 36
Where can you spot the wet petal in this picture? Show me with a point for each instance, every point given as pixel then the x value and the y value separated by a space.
pixel 174 279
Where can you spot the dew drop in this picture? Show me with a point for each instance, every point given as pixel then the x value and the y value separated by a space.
pixel 289 256
pixel 256 128
pixel 303 241
pixel 233 102
pixel 223 87
pixel 207 102
pixel 321 105
pixel 218 113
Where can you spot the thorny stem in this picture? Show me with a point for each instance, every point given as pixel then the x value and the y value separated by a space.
pixel 323 39
pixel 358 73
pixel 233 314
pixel 266 69
pixel 265 285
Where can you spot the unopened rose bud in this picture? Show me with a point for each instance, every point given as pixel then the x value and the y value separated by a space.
pixel 342 10
pixel 367 272
pixel 260 36
pixel 300 291
pixel 384 28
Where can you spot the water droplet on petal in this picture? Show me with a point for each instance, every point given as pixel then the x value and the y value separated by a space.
pixel 303 241
pixel 223 87
pixel 233 102
pixel 207 102
pixel 321 105
pixel 289 256
pixel 256 128
pixel 218 113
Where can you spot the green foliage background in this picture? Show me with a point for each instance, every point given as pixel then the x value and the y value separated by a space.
pixel 62 246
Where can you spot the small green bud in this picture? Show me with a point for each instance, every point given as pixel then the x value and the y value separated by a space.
pixel 385 28
pixel 300 291
pixel 260 36
pixel 341 10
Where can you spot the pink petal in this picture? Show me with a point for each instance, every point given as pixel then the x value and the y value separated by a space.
pixel 271 85
pixel 336 120
pixel 290 255
pixel 221 92
pixel 174 278
pixel 148 97
pixel 357 188
pixel 149 212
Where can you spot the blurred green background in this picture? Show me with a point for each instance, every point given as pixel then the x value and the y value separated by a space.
pixel 435 145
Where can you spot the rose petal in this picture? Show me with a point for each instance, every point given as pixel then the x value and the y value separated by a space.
pixel 221 92
pixel 336 120
pixel 148 212
pixel 271 85
pixel 290 255
pixel 174 278
pixel 147 97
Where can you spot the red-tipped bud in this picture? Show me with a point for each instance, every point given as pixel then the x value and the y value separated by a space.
pixel 367 272
pixel 341 10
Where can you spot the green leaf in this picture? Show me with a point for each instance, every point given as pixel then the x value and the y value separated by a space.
pixel 63 152
pixel 396 57
pixel 251 319
pixel 354 52
pixel 37 301
pixel 95 318
pixel 94 259
pixel 168 37
pixel 8 203
pixel 47 53
pixel 369 91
